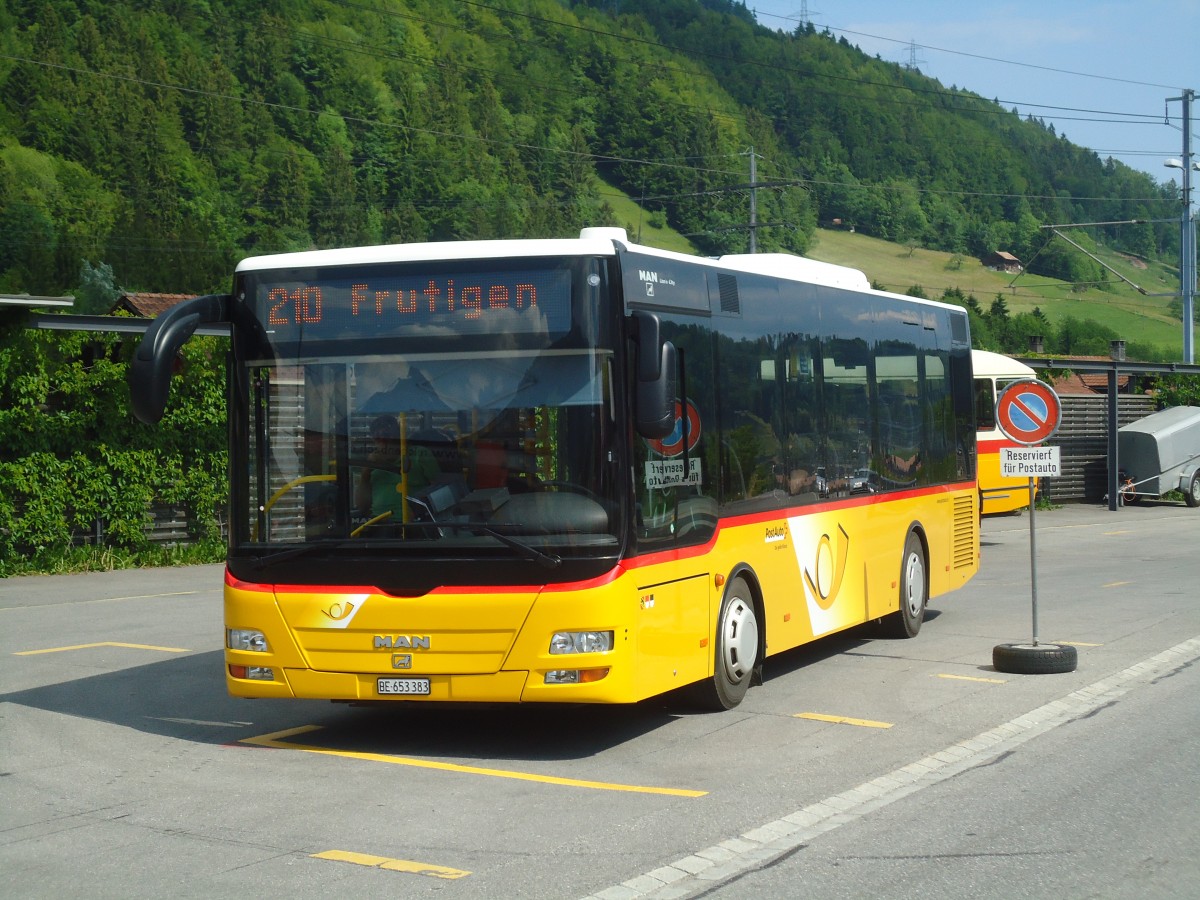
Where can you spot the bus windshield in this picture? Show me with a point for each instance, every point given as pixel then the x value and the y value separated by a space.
pixel 369 429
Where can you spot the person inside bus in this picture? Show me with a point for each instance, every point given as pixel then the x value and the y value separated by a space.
pixel 382 481
pixel 500 458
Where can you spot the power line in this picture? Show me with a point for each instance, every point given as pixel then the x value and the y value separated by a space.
pixel 990 108
pixel 1134 118
pixel 996 59
pixel 610 158
pixel 519 145
pixel 382 53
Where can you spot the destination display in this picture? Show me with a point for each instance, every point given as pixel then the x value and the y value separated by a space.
pixel 326 307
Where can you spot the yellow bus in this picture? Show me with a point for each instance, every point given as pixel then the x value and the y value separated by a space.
pixel 993 373
pixel 573 470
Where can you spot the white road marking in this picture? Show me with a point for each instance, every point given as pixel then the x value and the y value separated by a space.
pixel 706 868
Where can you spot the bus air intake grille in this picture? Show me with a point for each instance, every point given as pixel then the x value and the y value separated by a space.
pixel 727 286
pixel 964 531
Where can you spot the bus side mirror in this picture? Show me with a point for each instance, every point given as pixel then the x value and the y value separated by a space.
pixel 150 370
pixel 655 365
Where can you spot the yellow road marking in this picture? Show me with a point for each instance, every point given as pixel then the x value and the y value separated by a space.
pixel 392 865
pixel 843 720
pixel 1078 644
pixel 275 740
pixel 103 644
pixel 1115 533
pixel 973 678
pixel 1118 583
pixel 117 599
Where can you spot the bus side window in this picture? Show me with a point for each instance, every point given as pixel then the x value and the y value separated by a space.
pixel 985 404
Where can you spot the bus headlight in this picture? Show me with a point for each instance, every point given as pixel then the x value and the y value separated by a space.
pixel 581 642
pixel 246 639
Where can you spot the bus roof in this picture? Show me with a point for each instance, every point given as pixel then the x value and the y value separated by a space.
pixel 600 241
pixel 990 365
pixel 798 268
pixel 586 245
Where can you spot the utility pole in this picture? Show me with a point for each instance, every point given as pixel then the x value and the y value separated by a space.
pixel 1187 233
pixel 753 200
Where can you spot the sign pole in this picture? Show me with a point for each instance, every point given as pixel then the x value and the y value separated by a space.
pixel 1033 559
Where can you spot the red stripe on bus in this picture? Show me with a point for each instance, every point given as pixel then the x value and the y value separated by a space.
pixel 630 563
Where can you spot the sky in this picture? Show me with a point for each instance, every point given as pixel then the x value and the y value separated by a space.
pixel 1101 72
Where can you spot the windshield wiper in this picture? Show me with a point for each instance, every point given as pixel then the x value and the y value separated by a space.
pixel 528 551
pixel 294 552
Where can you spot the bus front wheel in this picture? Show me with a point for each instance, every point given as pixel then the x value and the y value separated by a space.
pixel 736 650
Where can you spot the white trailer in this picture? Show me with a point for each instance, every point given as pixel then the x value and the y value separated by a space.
pixel 1161 453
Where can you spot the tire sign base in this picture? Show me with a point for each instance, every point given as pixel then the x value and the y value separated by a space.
pixel 1034 659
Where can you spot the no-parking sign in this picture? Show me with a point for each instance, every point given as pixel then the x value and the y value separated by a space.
pixel 1028 412
pixel 687 429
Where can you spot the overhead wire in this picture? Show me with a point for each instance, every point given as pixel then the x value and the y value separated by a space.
pixel 1136 118
pixel 833 28
pixel 363 7
pixel 598 32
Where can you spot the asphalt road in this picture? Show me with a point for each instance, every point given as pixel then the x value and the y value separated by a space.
pixel 1103 806
pixel 862 767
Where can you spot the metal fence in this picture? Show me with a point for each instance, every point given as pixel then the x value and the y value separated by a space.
pixel 1083 439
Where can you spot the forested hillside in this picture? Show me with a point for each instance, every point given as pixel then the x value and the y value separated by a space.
pixel 167 139
pixel 907 159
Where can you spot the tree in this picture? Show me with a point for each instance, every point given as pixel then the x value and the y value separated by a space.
pixel 1021 328
pixel 96 293
pixel 338 218
pixel 1085 337
pixel 1178 390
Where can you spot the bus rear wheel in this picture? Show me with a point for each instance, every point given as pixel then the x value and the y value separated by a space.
pixel 914 591
pixel 736 650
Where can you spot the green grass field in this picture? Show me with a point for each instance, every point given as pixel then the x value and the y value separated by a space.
pixel 636 221
pixel 1133 315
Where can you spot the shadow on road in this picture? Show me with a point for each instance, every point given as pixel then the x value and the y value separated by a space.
pixel 184 698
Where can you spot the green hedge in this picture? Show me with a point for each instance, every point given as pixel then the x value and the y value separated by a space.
pixel 72 455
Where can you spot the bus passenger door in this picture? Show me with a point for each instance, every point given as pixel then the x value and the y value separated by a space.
pixel 674 584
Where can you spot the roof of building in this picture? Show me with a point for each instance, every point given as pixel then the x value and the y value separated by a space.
pixel 1088 382
pixel 146 304
pixel 1072 384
